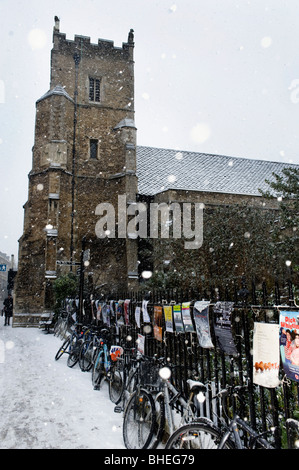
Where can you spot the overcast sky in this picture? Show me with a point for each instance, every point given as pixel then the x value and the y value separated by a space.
pixel 212 76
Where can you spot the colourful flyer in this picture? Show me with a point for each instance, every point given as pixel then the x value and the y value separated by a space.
pixel 168 318
pixel 158 323
pixel 186 315
pixel 177 316
pixel 289 343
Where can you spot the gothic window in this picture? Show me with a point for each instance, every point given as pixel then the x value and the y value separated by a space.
pixel 94 89
pixel 93 148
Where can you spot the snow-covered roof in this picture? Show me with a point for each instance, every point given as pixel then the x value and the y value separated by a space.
pixel 162 169
pixel 58 90
pixel 127 122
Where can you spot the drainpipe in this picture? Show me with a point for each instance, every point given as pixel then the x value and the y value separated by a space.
pixel 77 61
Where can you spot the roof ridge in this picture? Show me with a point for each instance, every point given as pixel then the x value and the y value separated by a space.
pixel 56 90
pixel 218 155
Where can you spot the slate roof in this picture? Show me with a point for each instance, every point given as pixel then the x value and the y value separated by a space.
pixel 58 90
pixel 162 169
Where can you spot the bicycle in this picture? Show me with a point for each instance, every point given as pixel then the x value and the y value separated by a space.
pixel 64 324
pixel 204 434
pixel 140 413
pixel 71 346
pixel 77 339
pixel 116 374
pixel 104 364
pixel 123 381
pixel 171 407
pixel 59 322
pixel 89 349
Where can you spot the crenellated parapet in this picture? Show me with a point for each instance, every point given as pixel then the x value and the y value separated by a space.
pixel 103 46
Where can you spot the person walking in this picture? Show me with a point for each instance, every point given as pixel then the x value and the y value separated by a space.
pixel 8 307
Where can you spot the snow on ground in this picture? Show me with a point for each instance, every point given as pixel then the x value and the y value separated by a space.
pixel 47 405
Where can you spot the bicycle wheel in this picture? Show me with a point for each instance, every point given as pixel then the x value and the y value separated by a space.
pixel 198 435
pixel 115 385
pixel 159 423
pixel 62 348
pixel 62 330
pixel 74 352
pixel 129 387
pixel 139 420
pixel 85 356
pixel 56 327
pixel 98 371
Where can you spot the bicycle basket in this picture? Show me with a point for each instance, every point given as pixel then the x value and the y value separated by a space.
pixel 149 374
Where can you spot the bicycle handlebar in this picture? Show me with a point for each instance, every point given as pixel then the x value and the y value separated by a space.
pixel 237 390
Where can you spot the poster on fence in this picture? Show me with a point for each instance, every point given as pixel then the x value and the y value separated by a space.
pixel 223 327
pixel 266 355
pixel 201 319
pixel 120 313
pixel 186 316
pixel 158 323
pixel 289 343
pixel 146 317
pixel 126 310
pixel 177 317
pixel 140 343
pixel 106 314
pixel 137 316
pixel 112 312
pixel 99 310
pixel 168 318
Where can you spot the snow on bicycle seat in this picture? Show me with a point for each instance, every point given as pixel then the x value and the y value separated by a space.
pixel 196 386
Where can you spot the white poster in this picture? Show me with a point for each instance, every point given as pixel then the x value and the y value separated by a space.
pixel 266 354
pixel 146 317
pixel 137 316
pixel 201 319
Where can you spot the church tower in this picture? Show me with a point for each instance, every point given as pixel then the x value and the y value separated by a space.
pixel 84 154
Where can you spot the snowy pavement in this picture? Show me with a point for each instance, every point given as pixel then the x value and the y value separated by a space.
pixel 47 405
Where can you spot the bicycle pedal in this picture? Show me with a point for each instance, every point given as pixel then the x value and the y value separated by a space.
pixel 118 409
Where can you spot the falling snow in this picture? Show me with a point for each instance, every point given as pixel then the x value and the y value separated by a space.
pixel 37 39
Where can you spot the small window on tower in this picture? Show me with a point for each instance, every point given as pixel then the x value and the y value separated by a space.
pixel 94 89
pixel 93 147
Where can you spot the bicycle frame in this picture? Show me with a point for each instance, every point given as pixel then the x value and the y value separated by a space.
pixel 103 351
pixel 130 372
pixel 96 345
pixel 237 423
pixel 76 334
pixel 233 429
pixel 169 413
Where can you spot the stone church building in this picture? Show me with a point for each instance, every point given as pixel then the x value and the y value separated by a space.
pixel 85 154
